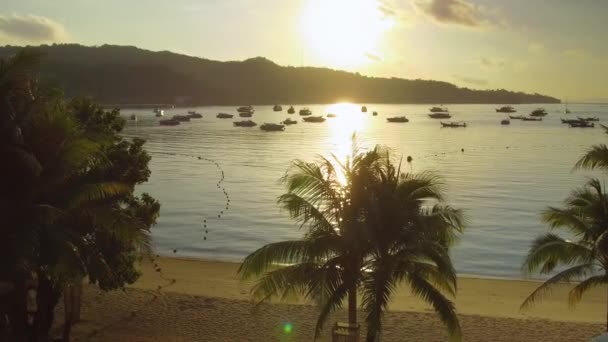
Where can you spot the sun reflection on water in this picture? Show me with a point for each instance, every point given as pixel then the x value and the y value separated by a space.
pixel 349 120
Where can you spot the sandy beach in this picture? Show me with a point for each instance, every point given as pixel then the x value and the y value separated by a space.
pixel 207 302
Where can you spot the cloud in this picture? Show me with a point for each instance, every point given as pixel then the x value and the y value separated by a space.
pixel 471 80
pixel 31 29
pixel 536 48
pixel 373 57
pixel 576 53
pixel 458 12
pixel 490 63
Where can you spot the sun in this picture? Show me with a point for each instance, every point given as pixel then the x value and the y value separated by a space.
pixel 343 33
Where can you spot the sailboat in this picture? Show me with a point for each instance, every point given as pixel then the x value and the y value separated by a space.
pixel 566 110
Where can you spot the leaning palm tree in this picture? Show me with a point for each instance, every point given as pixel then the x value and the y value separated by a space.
pixel 348 246
pixel 584 256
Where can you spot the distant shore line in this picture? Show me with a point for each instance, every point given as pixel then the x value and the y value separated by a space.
pixel 179 106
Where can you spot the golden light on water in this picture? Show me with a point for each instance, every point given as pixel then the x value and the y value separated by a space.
pixel 349 119
pixel 343 33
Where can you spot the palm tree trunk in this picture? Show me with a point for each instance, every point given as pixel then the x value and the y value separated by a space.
pixel 607 312
pixel 352 306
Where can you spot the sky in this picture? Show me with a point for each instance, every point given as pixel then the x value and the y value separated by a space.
pixel 553 47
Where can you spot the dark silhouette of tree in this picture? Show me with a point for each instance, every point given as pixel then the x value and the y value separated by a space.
pixel 66 200
pixel 366 231
pixel 123 74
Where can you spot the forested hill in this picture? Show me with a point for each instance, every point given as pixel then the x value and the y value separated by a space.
pixel 128 75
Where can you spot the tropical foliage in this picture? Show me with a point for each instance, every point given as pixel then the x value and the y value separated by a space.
pixel 582 255
pixel 67 202
pixel 367 229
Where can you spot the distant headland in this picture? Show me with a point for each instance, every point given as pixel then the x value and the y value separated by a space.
pixel 128 75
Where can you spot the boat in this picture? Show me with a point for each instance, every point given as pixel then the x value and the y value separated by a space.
pixel 569 121
pixel 539 112
pixel 305 111
pixel 506 109
pixel 272 127
pixel 590 118
pixel 224 116
pixel 245 109
pixel 291 110
pixel 375 114
pixel 438 115
pixel 194 115
pixel 169 122
pixel 159 112
pixel 505 122
pixel 191 112
pixel 181 118
pixel 566 110
pixel 398 119
pixel 289 121
pixel 331 115
pixel 314 119
pixel 454 124
pixel 363 109
pixel 531 118
pixel 516 117
pixel 439 110
pixel 133 117
pixel 245 123
pixel 245 114
pixel 277 108
pixel 582 124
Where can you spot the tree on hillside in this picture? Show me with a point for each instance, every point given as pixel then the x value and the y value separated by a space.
pixel 67 197
pixel 367 229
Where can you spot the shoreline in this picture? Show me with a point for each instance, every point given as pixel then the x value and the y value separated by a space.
pixel 476 296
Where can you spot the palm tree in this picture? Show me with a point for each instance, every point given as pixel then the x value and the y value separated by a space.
pixel 347 246
pixel 585 218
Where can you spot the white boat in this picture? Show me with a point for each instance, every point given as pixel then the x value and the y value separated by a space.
pixel 159 112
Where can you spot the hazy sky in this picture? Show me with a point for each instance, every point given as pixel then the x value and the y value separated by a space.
pixel 555 47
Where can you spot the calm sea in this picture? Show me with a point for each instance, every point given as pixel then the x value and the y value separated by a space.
pixel 503 179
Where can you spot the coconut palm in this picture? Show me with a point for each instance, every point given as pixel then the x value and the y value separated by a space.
pixel 347 246
pixel 584 255
pixel 410 230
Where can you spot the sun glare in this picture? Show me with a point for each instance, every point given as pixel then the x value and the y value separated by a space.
pixel 343 33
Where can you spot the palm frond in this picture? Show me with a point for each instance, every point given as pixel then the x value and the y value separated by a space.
pixel 563 276
pixel 284 281
pixel 576 294
pixel 595 158
pixel 96 192
pixel 550 250
pixel 378 286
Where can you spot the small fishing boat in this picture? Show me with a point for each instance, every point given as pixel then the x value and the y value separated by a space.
pixel 516 117
pixel 181 118
pixel 133 117
pixel 363 109
pixel 289 121
pixel 454 124
pixel 440 115
pixel 224 116
pixel 194 115
pixel 305 112
pixel 168 122
pixel 590 118
pixel 277 108
pixel 291 110
pixel 438 110
pixel 531 118
pixel 314 119
pixel 245 123
pixel 569 121
pixel 505 122
pixel 375 114
pixel 506 109
pixel 245 114
pixel 398 119
pixel 582 124
pixel 191 112
pixel 245 109
pixel 272 127
pixel 159 112
pixel 539 112
pixel 331 115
